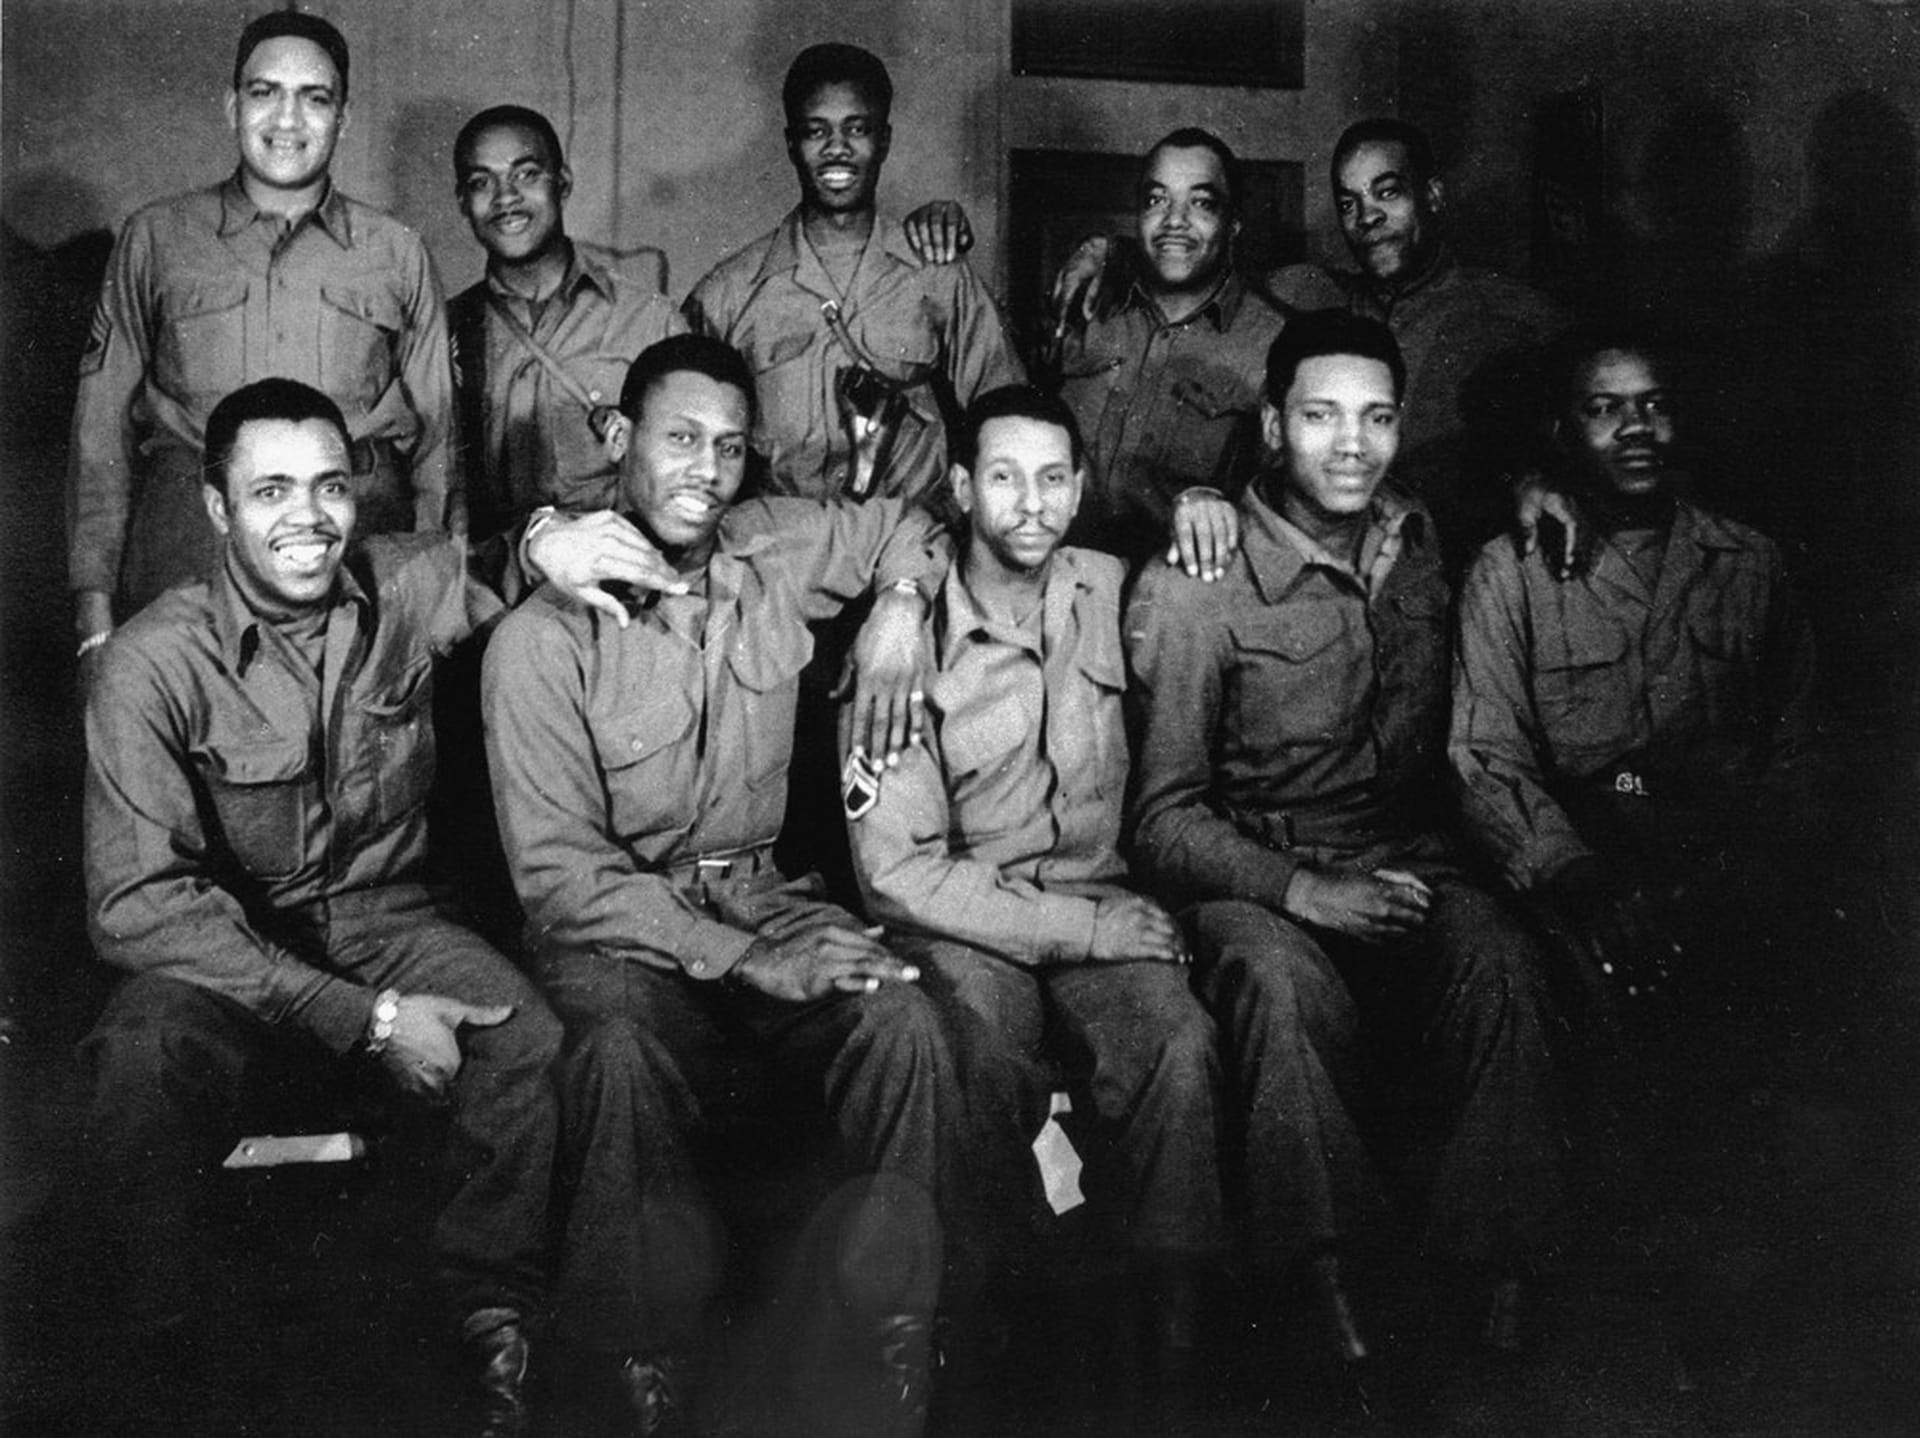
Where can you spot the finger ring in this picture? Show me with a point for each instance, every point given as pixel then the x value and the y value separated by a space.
pixel 917 696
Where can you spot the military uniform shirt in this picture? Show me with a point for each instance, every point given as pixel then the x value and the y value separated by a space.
pixel 235 800
pixel 1294 709
pixel 1705 676
pixel 932 325
pixel 617 755
pixel 1164 407
pixel 205 293
pixel 527 440
pixel 1002 829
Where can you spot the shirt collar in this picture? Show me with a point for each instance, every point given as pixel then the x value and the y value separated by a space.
pixel 582 269
pixel 789 248
pixel 237 626
pixel 237 211
pixel 1278 551
pixel 1221 307
pixel 963 618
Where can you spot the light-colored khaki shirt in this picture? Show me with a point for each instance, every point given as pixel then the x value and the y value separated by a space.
pixel 932 327
pixel 1002 830
pixel 618 755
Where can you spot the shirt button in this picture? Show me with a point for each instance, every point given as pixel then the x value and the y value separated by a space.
pixel 636 745
pixel 594 395
pixel 698 966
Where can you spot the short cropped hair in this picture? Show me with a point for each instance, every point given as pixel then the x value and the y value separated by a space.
pixel 1574 349
pixel 1013 401
pixel 301 26
pixel 1385 130
pixel 702 354
pixel 1330 332
pixel 500 117
pixel 835 64
pixel 264 399
pixel 1192 137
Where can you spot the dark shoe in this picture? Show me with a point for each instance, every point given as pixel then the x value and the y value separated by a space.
pixel 903 1344
pixel 655 1401
pixel 496 1352
pixel 1333 1311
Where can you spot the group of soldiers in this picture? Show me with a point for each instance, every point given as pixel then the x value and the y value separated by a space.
pixel 1165 768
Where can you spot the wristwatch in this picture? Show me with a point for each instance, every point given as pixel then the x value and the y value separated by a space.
pixel 386 1012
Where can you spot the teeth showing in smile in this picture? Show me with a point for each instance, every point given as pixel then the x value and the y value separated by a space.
pixel 302 554
pixel 692 507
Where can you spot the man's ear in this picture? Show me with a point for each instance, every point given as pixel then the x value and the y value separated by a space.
pixel 1273 427
pixel 232 106
pixel 618 438
pixel 883 143
pixel 1079 489
pixel 216 502
pixel 961 481
pixel 566 183
pixel 1436 189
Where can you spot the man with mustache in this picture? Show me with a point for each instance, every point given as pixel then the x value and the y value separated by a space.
pixel 543 341
pixel 640 772
pixel 1626 735
pixel 260 748
pixel 272 272
pixel 1166 386
pixel 991 855
pixel 1290 723
pixel 1461 329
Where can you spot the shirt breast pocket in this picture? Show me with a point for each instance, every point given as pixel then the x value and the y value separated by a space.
pixel 399 732
pixel 1581 692
pixel 646 761
pixel 258 790
pixel 1722 671
pixel 201 350
pixel 359 331
pixel 766 663
pixel 1291 682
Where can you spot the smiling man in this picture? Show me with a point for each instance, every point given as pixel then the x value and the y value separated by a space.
pixel 855 345
pixel 991 855
pixel 1166 387
pixel 272 272
pixel 1289 744
pixel 543 341
pixel 260 749
pixel 640 776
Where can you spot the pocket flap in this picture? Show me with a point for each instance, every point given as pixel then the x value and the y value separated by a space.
pixel 204 297
pixel 1588 646
pixel 372 305
pixel 627 738
pixel 1295 637
pixel 262 761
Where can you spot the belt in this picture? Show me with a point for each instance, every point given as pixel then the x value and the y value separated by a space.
pixel 723 866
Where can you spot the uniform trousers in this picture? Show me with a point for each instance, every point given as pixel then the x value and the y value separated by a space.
pixel 1133 1038
pixel 178 1071
pixel 1311 1022
pixel 657 1060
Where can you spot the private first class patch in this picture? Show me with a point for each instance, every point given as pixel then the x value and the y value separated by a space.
pixel 859 785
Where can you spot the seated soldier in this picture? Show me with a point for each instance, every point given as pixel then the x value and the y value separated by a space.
pixel 640 774
pixel 259 756
pixel 991 855
pixel 1620 740
pixel 1290 723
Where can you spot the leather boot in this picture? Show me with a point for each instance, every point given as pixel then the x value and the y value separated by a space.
pixel 494 1344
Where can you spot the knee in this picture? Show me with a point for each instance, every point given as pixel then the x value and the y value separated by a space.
pixel 157 1035
pixel 1258 965
pixel 899 1027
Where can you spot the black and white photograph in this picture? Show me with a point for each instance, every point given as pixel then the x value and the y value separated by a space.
pixel 959 718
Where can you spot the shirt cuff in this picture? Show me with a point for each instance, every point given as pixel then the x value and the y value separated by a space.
pixel 339 1014
pixel 713 950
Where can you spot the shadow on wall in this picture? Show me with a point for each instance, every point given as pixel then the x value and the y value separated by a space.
pixel 46 302
pixel 421 183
